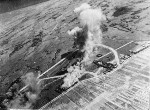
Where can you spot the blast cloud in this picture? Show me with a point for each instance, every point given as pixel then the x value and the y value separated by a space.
pixel 90 21
pixel 73 75
pixel 92 18
pixel 90 39
pixel 27 99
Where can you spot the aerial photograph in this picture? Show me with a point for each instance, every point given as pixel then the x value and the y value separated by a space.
pixel 74 54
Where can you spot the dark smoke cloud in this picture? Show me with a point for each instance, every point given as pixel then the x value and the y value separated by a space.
pixel 81 38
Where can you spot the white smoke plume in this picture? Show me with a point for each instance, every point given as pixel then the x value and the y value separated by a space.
pixel 74 31
pixel 75 72
pixel 32 97
pixel 73 75
pixel 92 18
pixel 88 48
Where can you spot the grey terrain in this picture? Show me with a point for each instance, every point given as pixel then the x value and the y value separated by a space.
pixel 35 37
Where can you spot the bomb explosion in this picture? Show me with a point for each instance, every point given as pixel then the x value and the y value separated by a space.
pixel 90 21
pixel 88 39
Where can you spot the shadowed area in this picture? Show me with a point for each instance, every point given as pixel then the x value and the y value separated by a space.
pixel 10 5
